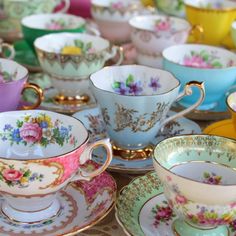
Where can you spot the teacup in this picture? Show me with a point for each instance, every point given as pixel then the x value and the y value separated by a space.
pixel 231 104
pixel 199 180
pixel 69 59
pixel 152 34
pixel 233 33
pixel 215 16
pixel 7 47
pixel 41 152
pixel 35 26
pixel 15 10
pixel 134 102
pixel 171 7
pixel 112 18
pixel 215 66
pixel 13 82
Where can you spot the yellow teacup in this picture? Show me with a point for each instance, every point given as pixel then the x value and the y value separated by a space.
pixel 215 17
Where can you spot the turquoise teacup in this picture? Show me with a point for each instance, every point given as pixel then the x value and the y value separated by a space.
pixel 216 67
pixel 135 100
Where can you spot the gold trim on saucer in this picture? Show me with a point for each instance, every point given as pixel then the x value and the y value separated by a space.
pixel 135 154
pixel 67 100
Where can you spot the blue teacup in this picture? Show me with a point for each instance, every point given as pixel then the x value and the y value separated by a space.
pixel 135 100
pixel 216 67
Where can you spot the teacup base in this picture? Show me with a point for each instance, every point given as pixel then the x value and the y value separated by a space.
pixel 73 100
pixel 182 228
pixel 133 154
pixel 32 217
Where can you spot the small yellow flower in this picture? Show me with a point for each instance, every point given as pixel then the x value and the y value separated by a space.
pixel 73 50
pixel 27 118
pixel 24 180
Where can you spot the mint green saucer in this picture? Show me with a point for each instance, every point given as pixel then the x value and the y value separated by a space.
pixel 142 210
pixel 26 57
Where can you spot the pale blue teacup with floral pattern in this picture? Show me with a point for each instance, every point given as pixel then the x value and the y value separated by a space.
pixel 213 65
pixel 134 102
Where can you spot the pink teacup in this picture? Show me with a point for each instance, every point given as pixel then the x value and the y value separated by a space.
pixel 41 152
pixel 13 82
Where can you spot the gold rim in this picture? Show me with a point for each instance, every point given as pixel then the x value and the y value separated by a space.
pixel 207 10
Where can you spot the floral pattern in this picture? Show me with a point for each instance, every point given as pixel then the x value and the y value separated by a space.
pixel 202 59
pixel 58 24
pixel 5 76
pixel 211 178
pixel 38 130
pixel 132 87
pixel 162 214
pixel 163 25
pixel 20 178
pixel 79 48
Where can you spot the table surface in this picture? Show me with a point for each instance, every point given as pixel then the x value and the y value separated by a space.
pixel 109 226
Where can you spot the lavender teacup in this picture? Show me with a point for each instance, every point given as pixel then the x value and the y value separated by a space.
pixel 134 101
pixel 13 81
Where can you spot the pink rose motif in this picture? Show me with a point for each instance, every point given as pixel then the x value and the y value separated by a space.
pixel 196 61
pixel 181 199
pixel 117 5
pixel 12 175
pixel 31 132
pixel 163 25
pixel 54 26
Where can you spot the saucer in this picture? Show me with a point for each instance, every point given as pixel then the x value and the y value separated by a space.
pixel 219 112
pixel 142 209
pixel 222 128
pixel 50 92
pixel 92 119
pixel 25 56
pixel 83 205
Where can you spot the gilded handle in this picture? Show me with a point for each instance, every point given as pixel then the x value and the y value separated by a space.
pixel 187 92
pixel 87 155
pixel 113 53
pixel 10 48
pixel 197 32
pixel 39 93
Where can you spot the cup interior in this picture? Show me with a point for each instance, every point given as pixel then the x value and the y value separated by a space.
pixel 53 21
pixel 159 23
pixel 11 71
pixel 26 135
pixel 134 80
pixel 200 56
pixel 54 43
pixel 231 102
pixel 211 4
pixel 115 4
pixel 200 158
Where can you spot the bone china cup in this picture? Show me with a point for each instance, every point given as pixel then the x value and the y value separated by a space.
pixel 152 34
pixel 214 16
pixel 7 47
pixel 199 179
pixel 215 66
pixel 41 152
pixel 112 18
pixel 13 85
pixel 134 101
pixel 231 104
pixel 70 70
pixel 15 10
pixel 35 26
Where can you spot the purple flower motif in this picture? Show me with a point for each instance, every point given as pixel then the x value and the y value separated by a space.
pixel 7 127
pixel 122 89
pixel 135 88
pixel 4 138
pixel 154 84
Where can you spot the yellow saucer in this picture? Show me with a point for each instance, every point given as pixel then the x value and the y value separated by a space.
pixel 222 128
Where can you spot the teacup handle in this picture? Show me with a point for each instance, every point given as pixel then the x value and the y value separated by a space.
pixel 187 91
pixel 87 155
pixel 39 93
pixel 93 31
pixel 66 6
pixel 199 29
pixel 10 48
pixel 113 54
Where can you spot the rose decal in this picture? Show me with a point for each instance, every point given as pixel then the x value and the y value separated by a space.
pixel 12 175
pixel 40 130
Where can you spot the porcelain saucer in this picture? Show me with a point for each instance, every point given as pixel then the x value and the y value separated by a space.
pixel 222 128
pixel 83 205
pixel 26 57
pixel 43 81
pixel 142 209
pixel 92 119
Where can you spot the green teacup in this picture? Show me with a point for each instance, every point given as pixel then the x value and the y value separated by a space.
pixel 35 26
pixel 15 10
